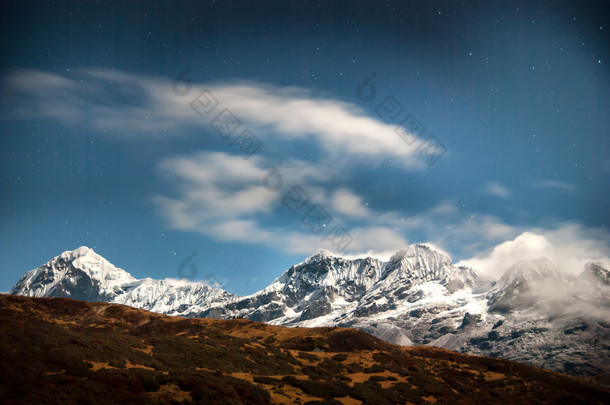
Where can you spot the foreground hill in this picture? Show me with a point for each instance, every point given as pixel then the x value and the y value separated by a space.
pixel 59 350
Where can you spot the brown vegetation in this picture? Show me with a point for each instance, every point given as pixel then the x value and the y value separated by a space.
pixel 56 350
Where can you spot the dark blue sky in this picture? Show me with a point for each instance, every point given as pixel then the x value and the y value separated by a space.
pixel 101 146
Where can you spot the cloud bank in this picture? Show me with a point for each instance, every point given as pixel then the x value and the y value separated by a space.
pixel 569 247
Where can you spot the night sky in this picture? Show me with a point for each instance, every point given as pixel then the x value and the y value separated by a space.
pixel 241 137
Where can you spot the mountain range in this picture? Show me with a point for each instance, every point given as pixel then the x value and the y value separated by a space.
pixel 534 313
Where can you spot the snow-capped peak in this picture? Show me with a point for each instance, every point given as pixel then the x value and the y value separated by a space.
pixel 73 271
pixel 320 254
pixel 420 262
pixel 98 268
pixel 83 274
pixel 524 284
pixel 595 273
pixel 419 252
pixel 76 253
pixel 531 272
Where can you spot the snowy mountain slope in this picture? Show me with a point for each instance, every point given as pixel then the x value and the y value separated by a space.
pixel 324 288
pixel 80 274
pixel 85 275
pixel 536 315
pixel 306 290
pixel 524 285
pixel 414 298
pixel 595 276
pixel 170 297
pixel 532 314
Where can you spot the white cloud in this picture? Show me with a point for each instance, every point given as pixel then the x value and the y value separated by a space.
pixel 212 186
pixel 444 208
pixel 376 238
pixel 568 246
pixel 245 231
pixel 576 245
pixel 348 203
pixel 214 167
pixel 452 229
pixel 496 189
pixel 526 246
pixel 33 81
pixel 558 185
pixel 135 106
pixel 291 113
pixel 223 196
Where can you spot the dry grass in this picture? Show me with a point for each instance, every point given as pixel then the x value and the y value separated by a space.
pixel 81 352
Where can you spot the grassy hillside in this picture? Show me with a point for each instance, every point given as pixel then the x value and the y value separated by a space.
pixel 56 350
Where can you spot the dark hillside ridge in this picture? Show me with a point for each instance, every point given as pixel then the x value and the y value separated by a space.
pixel 60 350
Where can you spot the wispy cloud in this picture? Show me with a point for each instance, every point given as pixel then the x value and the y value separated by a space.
pixel 496 189
pixel 554 184
pixel 348 203
pixel 213 187
pixel 135 106
pixel 222 196
pixel 225 197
